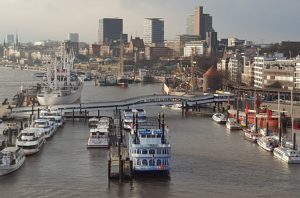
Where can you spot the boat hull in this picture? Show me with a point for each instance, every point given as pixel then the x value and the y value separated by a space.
pixel 8 169
pixel 54 99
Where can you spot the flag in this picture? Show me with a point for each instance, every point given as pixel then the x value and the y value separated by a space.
pixel 296 125
pixel 257 101
pixel 269 113
pixel 247 107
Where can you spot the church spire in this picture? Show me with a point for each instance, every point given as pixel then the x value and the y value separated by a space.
pixel 4 43
pixel 17 39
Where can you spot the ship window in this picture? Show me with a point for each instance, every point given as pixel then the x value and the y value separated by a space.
pixel 145 162
pixel 138 162
pixel 144 151
pixel 158 135
pixel 151 151
pixel 143 136
pixel 158 162
pixel 151 162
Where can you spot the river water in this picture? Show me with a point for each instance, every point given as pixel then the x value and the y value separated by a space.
pixel 207 160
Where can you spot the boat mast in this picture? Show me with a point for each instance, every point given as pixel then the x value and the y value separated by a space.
pixel 121 58
pixel 292 120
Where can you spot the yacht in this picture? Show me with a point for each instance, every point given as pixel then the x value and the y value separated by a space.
pixel 61 86
pixel 150 149
pixel 176 107
pixel 251 135
pixel 99 138
pixel 128 115
pixel 31 140
pixel 11 159
pixel 220 118
pixel 46 126
pixel 53 115
pixel 232 124
pixel 288 155
pixel 268 142
pixel 93 122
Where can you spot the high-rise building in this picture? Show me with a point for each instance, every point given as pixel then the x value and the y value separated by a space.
pixel 190 23
pixel 10 39
pixel 109 30
pixel 198 21
pixel 73 37
pixel 153 30
pixel 202 23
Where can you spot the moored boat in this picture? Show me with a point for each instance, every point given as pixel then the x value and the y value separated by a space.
pixel 61 86
pixel 150 149
pixel 232 124
pixel 11 159
pixel 288 155
pixel 30 140
pixel 98 138
pixel 93 122
pixel 268 143
pixel 220 118
pixel 53 115
pixel 251 135
pixel 46 126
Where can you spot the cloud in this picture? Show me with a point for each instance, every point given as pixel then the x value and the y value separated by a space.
pixel 53 19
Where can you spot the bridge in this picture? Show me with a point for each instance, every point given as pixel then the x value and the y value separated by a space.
pixel 141 101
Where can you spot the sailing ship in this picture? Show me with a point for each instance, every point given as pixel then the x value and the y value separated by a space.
pixel 62 86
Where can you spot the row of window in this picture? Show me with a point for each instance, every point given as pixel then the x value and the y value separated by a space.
pixel 152 162
pixel 150 151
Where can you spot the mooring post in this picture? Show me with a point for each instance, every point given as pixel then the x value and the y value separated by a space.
pixel 80 109
pixel 38 115
pixel 109 169
pixel 131 169
pixel 182 109
pixel 85 115
pixel 98 113
pixel 121 176
pixel 73 113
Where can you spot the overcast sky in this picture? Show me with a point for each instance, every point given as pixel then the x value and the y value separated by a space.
pixel 258 20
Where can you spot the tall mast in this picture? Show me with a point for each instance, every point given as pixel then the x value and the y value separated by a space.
pixel 121 58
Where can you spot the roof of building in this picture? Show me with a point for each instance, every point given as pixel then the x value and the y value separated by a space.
pixel 211 72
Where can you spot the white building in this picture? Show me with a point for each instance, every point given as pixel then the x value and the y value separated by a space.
pixel 196 47
pixel 269 70
pixel 297 76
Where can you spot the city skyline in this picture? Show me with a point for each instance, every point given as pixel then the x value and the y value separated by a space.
pixel 53 19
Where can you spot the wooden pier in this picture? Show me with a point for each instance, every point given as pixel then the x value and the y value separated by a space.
pixel 119 164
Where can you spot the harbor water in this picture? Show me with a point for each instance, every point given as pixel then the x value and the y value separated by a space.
pixel 207 159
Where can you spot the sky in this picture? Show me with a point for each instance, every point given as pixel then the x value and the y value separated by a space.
pixel 262 21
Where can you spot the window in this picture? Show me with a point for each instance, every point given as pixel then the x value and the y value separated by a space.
pixel 158 162
pixel 138 162
pixel 151 162
pixel 151 151
pixel 138 151
pixel 144 151
pixel 158 151
pixel 145 162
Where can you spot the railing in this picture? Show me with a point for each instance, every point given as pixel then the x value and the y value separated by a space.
pixel 153 100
